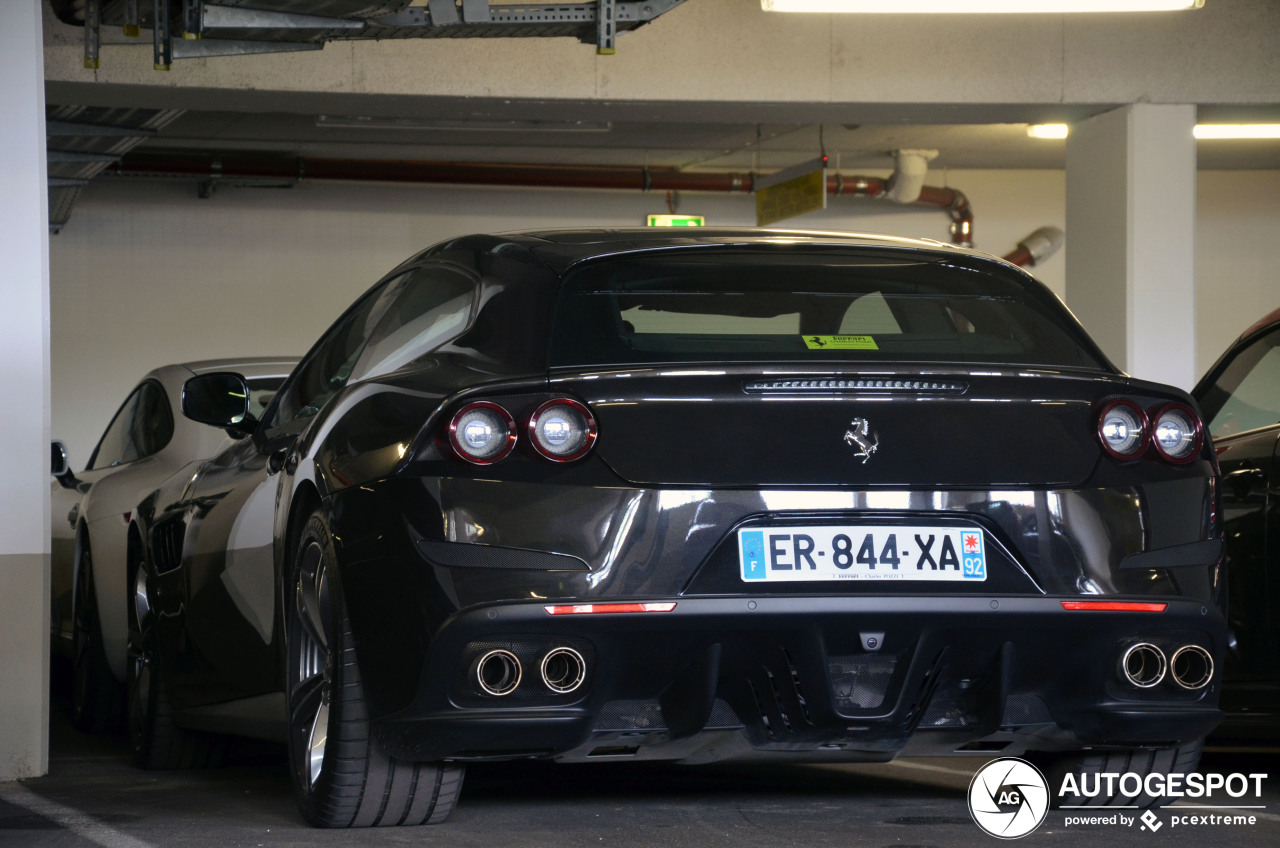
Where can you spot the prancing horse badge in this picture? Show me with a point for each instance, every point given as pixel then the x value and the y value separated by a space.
pixel 859 435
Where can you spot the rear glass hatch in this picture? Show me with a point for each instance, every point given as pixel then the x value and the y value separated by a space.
pixel 779 303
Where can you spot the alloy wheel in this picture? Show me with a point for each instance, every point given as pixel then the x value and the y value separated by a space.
pixel 140 659
pixel 311 658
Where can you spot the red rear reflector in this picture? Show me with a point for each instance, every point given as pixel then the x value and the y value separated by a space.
pixel 1113 606
pixel 588 609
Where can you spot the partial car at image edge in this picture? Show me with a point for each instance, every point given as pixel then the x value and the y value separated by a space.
pixel 1240 399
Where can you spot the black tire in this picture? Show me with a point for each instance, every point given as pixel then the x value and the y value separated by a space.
pixel 1085 766
pixel 97 698
pixel 157 741
pixel 342 776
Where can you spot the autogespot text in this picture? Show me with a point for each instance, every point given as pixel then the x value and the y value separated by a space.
pixel 1130 785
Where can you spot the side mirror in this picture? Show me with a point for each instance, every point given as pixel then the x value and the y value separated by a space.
pixel 60 467
pixel 220 398
pixel 60 462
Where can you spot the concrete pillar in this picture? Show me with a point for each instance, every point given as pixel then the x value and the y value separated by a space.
pixel 1131 205
pixel 24 375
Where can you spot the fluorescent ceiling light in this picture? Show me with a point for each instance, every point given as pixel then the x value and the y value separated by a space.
pixel 1048 130
pixel 894 7
pixel 1237 131
pixel 1202 131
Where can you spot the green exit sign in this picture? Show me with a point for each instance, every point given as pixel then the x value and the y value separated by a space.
pixel 676 220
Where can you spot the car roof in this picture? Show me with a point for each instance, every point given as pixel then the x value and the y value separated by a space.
pixel 730 235
pixel 247 366
pixel 567 246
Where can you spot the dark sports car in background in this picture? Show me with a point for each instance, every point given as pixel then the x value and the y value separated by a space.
pixel 597 495
pixel 1240 400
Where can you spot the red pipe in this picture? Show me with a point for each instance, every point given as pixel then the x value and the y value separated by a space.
pixel 539 176
pixel 1019 256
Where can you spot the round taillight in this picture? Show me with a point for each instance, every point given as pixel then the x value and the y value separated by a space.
pixel 1122 429
pixel 1177 433
pixel 562 430
pixel 482 433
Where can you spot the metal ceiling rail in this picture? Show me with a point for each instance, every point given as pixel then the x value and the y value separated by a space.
pixel 216 29
pixel 84 140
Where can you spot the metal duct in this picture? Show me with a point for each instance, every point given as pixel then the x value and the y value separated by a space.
pixel 1037 247
pixel 202 167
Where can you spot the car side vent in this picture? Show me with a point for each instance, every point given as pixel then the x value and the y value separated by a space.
pixel 860 385
pixel 166 545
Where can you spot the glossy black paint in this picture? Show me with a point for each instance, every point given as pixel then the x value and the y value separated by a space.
pixel 1251 530
pixel 439 559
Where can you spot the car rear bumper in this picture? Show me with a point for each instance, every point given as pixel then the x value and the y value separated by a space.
pixel 808 677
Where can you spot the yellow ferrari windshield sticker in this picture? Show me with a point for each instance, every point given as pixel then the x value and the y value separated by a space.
pixel 840 343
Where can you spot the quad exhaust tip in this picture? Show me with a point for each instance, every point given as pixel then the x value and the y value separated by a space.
pixel 563 670
pixel 498 672
pixel 1191 667
pixel 1144 665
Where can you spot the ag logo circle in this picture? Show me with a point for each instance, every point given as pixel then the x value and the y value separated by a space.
pixel 1008 798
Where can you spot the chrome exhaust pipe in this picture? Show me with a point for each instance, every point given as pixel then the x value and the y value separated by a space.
pixel 1143 665
pixel 563 670
pixel 1191 667
pixel 498 672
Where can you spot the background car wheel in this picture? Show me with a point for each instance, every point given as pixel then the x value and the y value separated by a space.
pixel 97 698
pixel 342 777
pixel 1179 760
pixel 157 742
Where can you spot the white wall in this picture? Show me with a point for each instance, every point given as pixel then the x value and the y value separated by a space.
pixel 1237 281
pixel 146 273
pixel 24 370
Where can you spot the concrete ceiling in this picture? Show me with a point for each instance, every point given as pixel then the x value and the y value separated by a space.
pixel 858 90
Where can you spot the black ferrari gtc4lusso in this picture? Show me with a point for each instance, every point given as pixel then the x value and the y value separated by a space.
pixel 595 495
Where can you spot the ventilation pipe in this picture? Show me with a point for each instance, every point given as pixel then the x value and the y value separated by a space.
pixel 912 166
pixel 1037 247
pixel 277 169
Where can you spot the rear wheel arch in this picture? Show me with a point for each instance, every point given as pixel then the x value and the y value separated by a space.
pixel 306 499
pixel 133 548
pixel 97 697
pixel 342 776
pixel 82 544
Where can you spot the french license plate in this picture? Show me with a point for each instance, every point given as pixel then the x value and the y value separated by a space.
pixel 862 552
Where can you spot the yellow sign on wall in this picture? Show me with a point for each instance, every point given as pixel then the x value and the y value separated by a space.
pixel 791 192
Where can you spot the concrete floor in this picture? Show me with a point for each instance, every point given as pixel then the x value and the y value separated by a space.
pixel 93 796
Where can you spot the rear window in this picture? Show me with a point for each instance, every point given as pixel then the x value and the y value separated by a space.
pixel 717 305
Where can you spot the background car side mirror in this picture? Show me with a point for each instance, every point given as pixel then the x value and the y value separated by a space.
pixel 220 398
pixel 60 464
